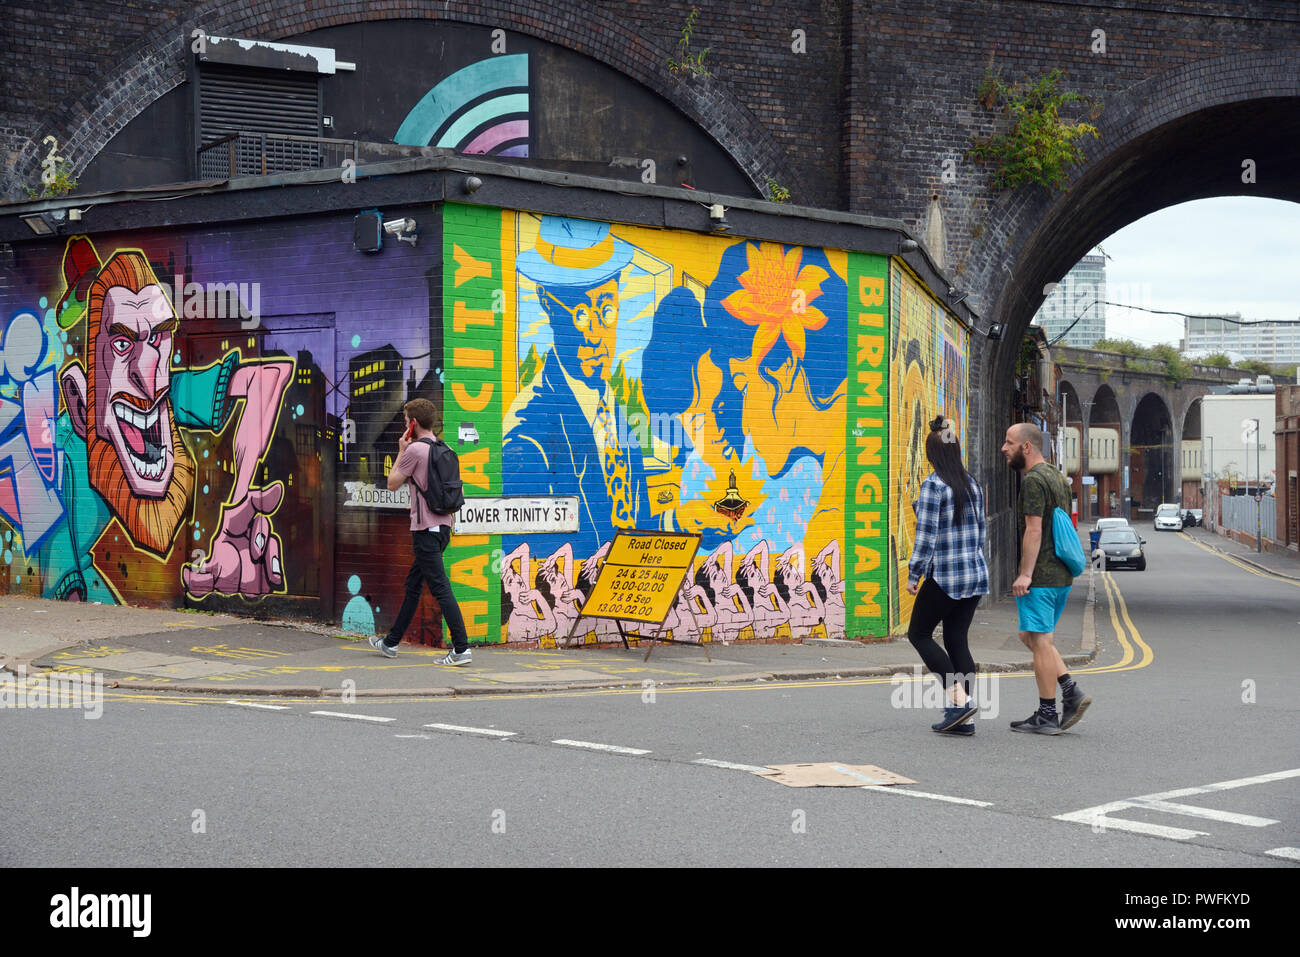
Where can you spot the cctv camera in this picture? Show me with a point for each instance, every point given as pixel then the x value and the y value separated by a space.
pixel 398 226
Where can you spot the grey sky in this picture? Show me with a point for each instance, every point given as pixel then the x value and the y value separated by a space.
pixel 1212 256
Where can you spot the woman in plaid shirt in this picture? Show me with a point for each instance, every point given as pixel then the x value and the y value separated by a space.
pixel 948 553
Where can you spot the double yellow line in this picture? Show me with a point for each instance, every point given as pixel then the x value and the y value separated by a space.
pixel 1240 564
pixel 1125 632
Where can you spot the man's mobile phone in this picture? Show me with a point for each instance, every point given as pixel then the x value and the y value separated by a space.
pixel 410 431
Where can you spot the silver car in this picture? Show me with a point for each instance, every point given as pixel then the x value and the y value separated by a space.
pixel 1169 516
pixel 1122 548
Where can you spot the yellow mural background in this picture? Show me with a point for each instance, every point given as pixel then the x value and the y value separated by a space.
pixel 929 375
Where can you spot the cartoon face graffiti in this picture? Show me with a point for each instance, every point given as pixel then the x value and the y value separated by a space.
pixel 121 404
pixel 131 410
pixel 585 324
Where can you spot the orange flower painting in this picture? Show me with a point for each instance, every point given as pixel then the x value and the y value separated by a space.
pixel 776 294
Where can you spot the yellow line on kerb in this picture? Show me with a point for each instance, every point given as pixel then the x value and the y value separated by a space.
pixel 1240 564
pixel 1115 600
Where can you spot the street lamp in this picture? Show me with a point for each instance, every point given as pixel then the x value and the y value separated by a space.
pixel 1060 435
pixel 1259 491
pixel 1208 483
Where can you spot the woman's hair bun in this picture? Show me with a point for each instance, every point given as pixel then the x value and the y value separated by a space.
pixel 945 429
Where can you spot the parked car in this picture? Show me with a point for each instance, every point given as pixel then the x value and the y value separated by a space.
pixel 1102 524
pixel 1122 548
pixel 1169 516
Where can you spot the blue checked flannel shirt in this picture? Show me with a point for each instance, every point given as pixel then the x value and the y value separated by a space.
pixel 950 554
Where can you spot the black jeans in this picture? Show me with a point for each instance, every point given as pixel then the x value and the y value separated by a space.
pixel 932 606
pixel 427 567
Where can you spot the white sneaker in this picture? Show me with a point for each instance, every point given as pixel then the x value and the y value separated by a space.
pixel 377 642
pixel 451 658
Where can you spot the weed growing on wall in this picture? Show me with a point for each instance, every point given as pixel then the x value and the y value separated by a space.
pixel 1038 145
pixel 688 62
pixel 56 174
pixel 777 193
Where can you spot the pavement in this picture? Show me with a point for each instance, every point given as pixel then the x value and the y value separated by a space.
pixel 178 650
pixel 1286 564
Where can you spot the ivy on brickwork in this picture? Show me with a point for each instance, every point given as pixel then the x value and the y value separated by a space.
pixel 1038 145
pixel 688 62
pixel 62 183
pixel 1027 357
pixel 777 193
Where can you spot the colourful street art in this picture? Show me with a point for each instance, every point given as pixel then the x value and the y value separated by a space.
pixel 929 374
pixel 207 417
pixel 481 109
pixel 115 454
pixel 664 381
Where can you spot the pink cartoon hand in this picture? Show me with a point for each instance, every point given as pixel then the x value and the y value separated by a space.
pixel 244 556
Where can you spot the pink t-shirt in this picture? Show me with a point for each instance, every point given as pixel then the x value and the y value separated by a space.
pixel 414 463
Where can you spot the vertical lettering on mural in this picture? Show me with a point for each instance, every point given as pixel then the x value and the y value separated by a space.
pixel 867 513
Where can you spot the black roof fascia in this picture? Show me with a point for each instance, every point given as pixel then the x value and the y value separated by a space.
pixel 430 180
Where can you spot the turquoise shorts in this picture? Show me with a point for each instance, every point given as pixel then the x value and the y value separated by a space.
pixel 1042 608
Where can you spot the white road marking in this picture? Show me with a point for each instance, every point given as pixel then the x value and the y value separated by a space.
pixel 593 746
pixel 728 765
pixel 488 731
pixel 267 707
pixel 1098 816
pixel 423 736
pixel 1224 785
pixel 1210 814
pixel 355 717
pixel 1288 853
pixel 895 789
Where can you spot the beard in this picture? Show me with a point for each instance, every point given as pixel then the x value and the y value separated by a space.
pixel 151 523
pixel 1017 460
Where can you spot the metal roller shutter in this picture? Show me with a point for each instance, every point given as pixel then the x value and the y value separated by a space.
pixel 262 106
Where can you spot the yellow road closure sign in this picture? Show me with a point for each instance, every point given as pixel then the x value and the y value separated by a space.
pixel 641 576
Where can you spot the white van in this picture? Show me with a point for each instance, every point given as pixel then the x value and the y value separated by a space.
pixel 1169 516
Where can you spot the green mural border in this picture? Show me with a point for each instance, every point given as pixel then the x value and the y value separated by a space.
pixel 472 381
pixel 867 443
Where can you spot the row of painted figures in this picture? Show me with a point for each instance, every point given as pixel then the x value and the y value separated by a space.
pixel 713 605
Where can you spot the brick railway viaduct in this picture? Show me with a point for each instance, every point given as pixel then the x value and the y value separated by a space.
pixel 875 116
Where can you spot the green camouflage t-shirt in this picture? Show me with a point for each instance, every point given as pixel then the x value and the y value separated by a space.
pixel 1042 489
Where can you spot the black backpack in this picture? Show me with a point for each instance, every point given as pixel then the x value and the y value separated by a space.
pixel 442 488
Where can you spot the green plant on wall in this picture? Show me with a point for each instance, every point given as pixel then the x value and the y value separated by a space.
pixel 1038 144
pixel 62 185
pixel 688 62
pixel 777 193
pixel 1026 358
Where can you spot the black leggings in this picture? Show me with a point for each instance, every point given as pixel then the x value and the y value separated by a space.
pixel 931 607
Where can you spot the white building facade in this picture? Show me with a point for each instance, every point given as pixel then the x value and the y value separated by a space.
pixel 1081 295
pixel 1232 449
pixel 1273 342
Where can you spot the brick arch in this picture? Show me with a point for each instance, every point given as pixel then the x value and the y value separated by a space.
pixel 1158 147
pixel 156 64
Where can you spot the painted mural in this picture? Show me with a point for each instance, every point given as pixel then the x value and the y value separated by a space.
pixel 208 418
pixel 663 381
pixel 100 413
pixel 480 109
pixel 930 376
pixel 177 411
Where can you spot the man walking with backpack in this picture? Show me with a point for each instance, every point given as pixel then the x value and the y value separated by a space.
pixel 1043 585
pixel 430 530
